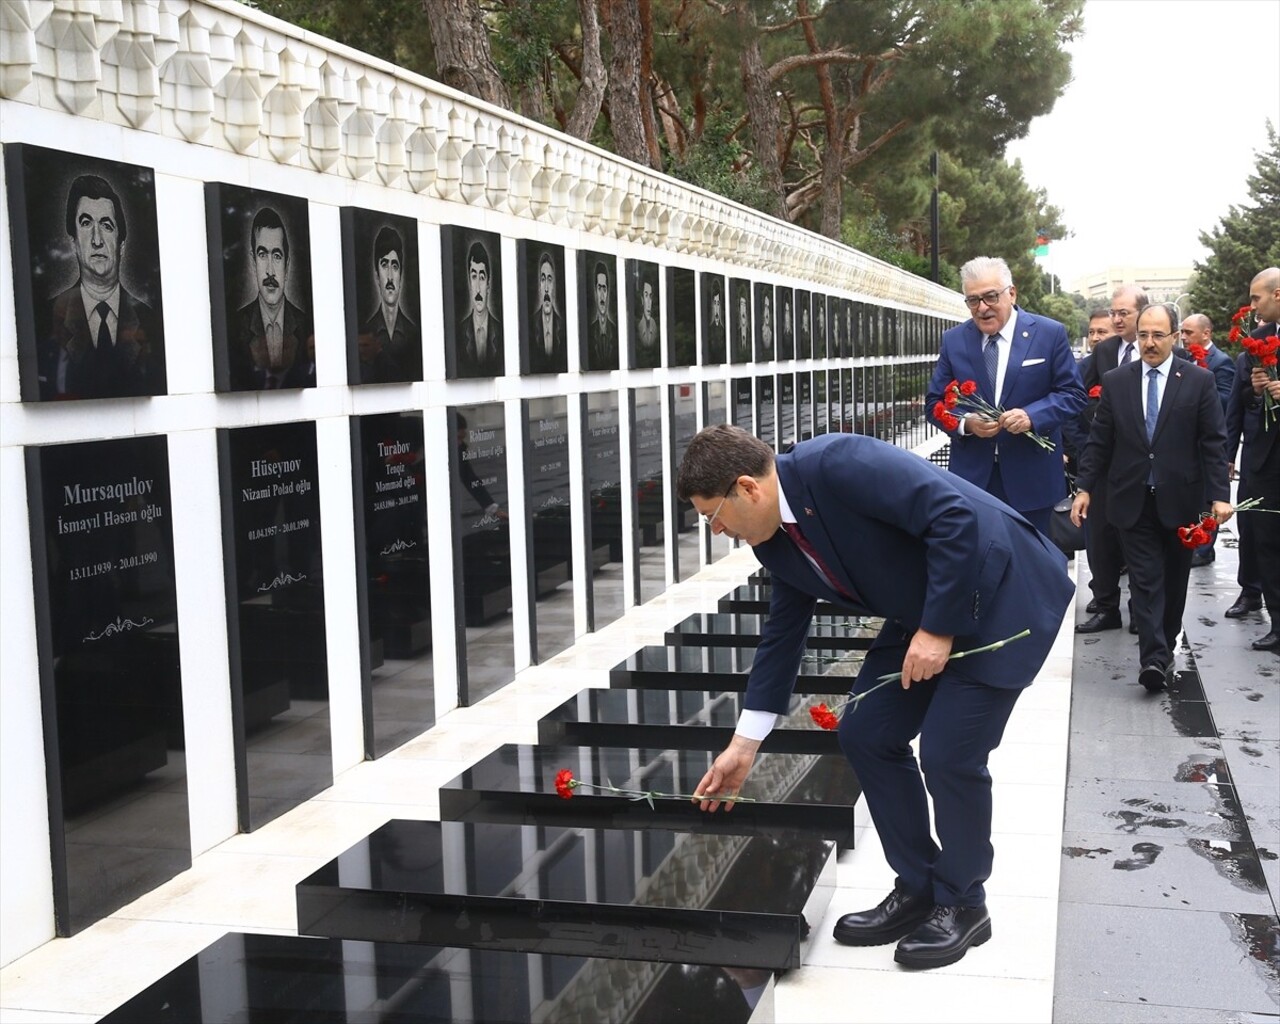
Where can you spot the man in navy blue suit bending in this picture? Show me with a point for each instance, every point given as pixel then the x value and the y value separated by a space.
pixel 1022 364
pixel 950 568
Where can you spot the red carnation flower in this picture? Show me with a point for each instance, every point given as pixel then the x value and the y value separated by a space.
pixel 1095 391
pixel 968 387
pixel 950 399
pixel 824 716
pixel 565 783
pixel 949 421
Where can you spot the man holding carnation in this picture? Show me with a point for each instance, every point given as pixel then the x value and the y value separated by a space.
pixel 952 570
pixel 1159 443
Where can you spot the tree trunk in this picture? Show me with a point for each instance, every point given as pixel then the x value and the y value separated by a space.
pixel 762 105
pixel 626 90
pixel 832 152
pixel 593 79
pixel 463 59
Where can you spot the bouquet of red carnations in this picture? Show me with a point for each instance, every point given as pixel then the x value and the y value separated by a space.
pixel 964 396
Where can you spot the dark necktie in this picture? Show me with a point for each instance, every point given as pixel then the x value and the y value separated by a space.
pixel 1153 402
pixel 991 357
pixel 104 331
pixel 1128 353
pixel 793 531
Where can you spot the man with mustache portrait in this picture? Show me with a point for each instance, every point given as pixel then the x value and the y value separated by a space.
pixel 480 351
pixel 390 342
pixel 271 344
pixel 547 349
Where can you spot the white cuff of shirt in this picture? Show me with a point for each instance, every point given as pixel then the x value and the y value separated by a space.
pixel 756 725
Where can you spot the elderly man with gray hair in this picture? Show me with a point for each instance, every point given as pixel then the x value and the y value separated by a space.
pixel 1021 364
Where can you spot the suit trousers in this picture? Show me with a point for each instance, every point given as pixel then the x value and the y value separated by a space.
pixel 1159 567
pixel 1037 517
pixel 1247 574
pixel 959 722
pixel 1265 484
pixel 1102 544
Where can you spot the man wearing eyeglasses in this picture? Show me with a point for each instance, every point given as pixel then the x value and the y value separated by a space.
pixel 1023 365
pixel 1102 542
pixel 950 569
pixel 1159 443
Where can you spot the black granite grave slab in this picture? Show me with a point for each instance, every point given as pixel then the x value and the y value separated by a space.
pixel 811 794
pixel 725 669
pixel 749 598
pixel 680 719
pixel 287 979
pixel 731 900
pixel 745 629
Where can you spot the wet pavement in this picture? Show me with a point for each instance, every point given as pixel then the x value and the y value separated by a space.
pixel 1170 881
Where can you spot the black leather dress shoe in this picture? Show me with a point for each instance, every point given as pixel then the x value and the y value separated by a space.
pixel 1245 604
pixel 1203 556
pixel 1133 629
pixel 1097 623
pixel 945 937
pixel 1092 607
pixel 1153 677
pixel 1270 642
pixel 892 918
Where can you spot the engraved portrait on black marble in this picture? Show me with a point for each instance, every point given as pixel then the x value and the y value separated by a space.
pixel 740 322
pixel 543 340
pixel 86 276
pixel 785 323
pixel 644 315
pixel 471 293
pixel 260 289
pixel 598 310
pixel 804 326
pixel 766 323
pixel 715 312
pixel 682 318
pixel 820 335
pixel 110 677
pixel 380 286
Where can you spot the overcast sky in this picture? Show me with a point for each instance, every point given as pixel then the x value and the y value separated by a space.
pixel 1154 137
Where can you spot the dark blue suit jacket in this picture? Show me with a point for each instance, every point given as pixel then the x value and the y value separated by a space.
pixel 1224 374
pixel 1043 379
pixel 915 544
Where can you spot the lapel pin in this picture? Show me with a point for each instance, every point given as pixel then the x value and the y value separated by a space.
pixel 808 511
pixel 1026 334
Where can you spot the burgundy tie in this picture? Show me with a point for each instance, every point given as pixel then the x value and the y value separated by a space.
pixel 793 531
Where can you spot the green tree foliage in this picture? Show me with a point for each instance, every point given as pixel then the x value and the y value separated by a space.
pixel 1245 241
pixel 395 30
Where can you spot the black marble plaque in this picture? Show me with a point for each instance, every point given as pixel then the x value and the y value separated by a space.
pixel 804 405
pixel 682 720
pixel 550 562
pixel 380 273
pixel 684 425
pixel 516 784
pixel 786 318
pixel 544 346
pixel 83 231
pixel 275 617
pixel 835 328
pixel 110 682
pixel 786 411
pixel 740 320
pixel 482 550
pixel 715 314
pixel 820 334
pixel 715 404
pixel 288 979
pixel 393 577
pixel 755 598
pixel 598 310
pixel 766 411
pixel 730 900
pixel 835 417
pixel 471 302
pixel 848 338
pixel 644 316
pixel 719 629
pixel 821 419
pixel 804 325
pixel 743 411
pixel 724 667
pixel 766 341
pixel 846 399
pixel 682 317
pixel 649 511
pixel 602 459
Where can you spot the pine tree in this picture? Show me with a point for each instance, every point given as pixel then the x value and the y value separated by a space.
pixel 1244 242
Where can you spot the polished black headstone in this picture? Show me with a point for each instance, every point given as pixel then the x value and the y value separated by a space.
pixel 287 979
pixel 649 510
pixel 766 412
pixel 715 404
pixel 742 404
pixel 730 900
pixel 393 578
pixel 602 459
pixel 110 681
pixel 482 550
pixel 755 598
pixel 681 720
pixel 786 411
pixel 746 629
pixel 684 425
pixel 550 563
pixel 275 621
pixel 516 784
pixel 726 668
